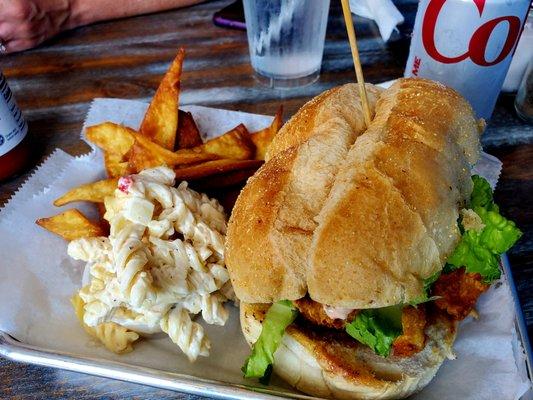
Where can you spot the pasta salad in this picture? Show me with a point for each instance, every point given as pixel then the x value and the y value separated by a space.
pixel 162 264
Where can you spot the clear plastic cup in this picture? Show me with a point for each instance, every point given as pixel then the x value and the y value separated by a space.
pixel 286 40
pixel 524 96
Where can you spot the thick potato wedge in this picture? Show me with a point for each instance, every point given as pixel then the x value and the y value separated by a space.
pixel 94 192
pixel 160 122
pixel 214 167
pixel 147 154
pixel 70 225
pixel 188 135
pixel 234 144
pixel 264 137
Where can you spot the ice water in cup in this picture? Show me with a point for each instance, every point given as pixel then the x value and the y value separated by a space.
pixel 286 40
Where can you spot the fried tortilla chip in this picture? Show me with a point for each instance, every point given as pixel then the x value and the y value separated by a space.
pixel 94 192
pixel 264 137
pixel 111 137
pixel 71 224
pixel 114 166
pixel 116 141
pixel 160 122
pixel 188 135
pixel 234 144
pixel 104 224
pixel 114 337
pixel 214 167
pixel 147 154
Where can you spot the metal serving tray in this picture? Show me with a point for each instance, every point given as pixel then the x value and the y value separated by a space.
pixel 15 350
pixel 70 357
pixel 12 349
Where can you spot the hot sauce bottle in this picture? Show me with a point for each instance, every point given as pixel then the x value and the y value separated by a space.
pixel 14 149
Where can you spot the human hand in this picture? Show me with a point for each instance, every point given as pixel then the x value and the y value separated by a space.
pixel 26 23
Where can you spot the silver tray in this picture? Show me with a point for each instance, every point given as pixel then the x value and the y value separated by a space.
pixel 12 349
pixel 15 350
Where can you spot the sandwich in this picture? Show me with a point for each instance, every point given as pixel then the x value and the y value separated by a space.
pixel 355 251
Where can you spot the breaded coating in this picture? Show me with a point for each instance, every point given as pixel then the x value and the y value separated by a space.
pixel 413 338
pixel 458 292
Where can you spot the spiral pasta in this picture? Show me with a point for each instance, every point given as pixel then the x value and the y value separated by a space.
pixel 213 311
pixel 130 259
pixel 188 335
pixel 162 263
pixel 114 337
pixel 90 249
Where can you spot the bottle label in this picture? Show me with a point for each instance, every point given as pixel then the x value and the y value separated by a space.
pixel 13 127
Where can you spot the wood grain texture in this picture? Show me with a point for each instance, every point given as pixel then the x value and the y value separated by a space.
pixel 55 84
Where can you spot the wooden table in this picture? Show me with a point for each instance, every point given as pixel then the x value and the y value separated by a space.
pixel 54 86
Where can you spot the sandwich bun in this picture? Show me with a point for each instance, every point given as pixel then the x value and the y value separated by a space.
pixel 356 217
pixel 331 364
pixel 271 225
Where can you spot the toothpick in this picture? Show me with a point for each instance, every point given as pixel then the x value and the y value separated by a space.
pixel 356 61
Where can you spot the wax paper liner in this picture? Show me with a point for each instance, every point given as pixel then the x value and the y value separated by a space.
pixel 37 279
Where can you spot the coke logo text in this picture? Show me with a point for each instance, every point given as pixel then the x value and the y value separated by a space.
pixel 479 40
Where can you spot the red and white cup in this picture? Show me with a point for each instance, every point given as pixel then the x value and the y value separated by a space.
pixel 467 45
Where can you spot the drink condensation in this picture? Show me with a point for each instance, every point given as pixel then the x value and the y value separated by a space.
pixel 467 45
pixel 286 39
pixel 524 96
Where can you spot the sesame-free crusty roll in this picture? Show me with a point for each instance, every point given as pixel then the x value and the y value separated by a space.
pixel 333 365
pixel 390 219
pixel 271 227
pixel 360 226
pixel 356 217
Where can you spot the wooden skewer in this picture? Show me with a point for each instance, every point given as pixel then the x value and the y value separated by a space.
pixel 356 61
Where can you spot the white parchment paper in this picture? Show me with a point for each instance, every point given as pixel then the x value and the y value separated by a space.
pixel 37 279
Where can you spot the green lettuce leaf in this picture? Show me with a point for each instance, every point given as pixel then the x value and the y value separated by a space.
pixel 471 254
pixel 278 317
pixel 499 234
pixel 479 252
pixel 377 328
pixel 428 282
pixel 481 193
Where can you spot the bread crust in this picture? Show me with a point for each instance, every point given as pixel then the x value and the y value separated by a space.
pixel 390 219
pixel 356 218
pixel 271 227
pixel 330 364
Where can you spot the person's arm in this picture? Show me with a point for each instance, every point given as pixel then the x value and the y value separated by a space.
pixel 26 23
pixel 85 12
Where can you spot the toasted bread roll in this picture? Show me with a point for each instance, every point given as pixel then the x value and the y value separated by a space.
pixel 271 226
pixel 390 219
pixel 330 364
pixel 355 220
pixel 340 102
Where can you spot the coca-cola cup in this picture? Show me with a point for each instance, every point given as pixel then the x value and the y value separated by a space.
pixel 467 45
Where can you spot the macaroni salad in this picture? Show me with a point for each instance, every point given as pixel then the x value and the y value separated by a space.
pixel 162 264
